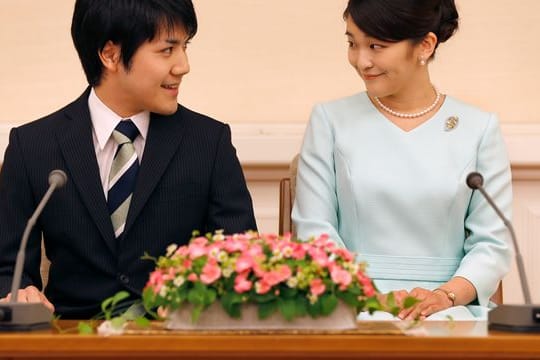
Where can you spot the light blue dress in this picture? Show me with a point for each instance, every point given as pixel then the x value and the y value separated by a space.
pixel 400 200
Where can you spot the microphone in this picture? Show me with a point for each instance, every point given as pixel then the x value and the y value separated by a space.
pixel 522 318
pixel 29 316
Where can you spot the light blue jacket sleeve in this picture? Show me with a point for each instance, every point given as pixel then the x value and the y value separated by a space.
pixel 315 210
pixel 488 249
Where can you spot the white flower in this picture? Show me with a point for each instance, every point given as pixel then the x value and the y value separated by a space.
pixel 179 280
pixel 107 329
pixel 312 298
pixel 218 236
pixel 222 256
pixel 292 282
pixel 171 249
pixel 227 272
pixel 163 291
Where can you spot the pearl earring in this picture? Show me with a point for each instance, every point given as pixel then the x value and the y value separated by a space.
pixel 422 61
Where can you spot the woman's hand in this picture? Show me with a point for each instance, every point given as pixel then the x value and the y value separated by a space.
pixel 429 302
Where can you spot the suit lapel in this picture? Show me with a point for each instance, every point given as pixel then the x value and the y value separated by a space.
pixel 164 136
pixel 76 142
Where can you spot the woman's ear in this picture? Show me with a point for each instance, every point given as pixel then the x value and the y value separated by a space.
pixel 427 46
pixel 110 56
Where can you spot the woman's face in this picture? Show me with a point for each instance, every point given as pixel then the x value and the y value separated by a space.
pixel 387 68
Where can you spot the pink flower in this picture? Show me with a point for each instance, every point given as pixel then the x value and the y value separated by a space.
pixel 344 254
pixel 156 281
pixel 317 287
pixel 271 278
pixel 197 250
pixel 299 251
pixel 242 284
pixel 369 290
pixel 233 244
pixel 341 277
pixel 244 262
pixel 210 272
pixel 192 277
pixel 319 256
pixel 284 272
pixel 262 287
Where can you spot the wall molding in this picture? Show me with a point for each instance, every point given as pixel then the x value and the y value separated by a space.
pixel 273 145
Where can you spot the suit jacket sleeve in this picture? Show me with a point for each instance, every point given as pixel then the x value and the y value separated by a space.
pixel 230 207
pixel 17 203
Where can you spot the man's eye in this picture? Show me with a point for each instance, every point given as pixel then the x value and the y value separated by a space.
pixel 376 46
pixel 167 50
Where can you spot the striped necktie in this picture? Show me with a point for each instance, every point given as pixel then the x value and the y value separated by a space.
pixel 124 169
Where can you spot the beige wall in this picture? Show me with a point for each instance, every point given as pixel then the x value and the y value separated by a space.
pixel 270 60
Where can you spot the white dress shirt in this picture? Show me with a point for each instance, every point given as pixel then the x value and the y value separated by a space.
pixel 104 121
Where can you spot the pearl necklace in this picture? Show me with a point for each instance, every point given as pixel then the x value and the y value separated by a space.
pixel 407 115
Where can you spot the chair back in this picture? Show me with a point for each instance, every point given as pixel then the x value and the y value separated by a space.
pixel 287 191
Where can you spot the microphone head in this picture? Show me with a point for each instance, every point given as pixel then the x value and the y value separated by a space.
pixel 58 178
pixel 475 180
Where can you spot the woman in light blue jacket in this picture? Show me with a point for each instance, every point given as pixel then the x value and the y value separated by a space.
pixel 383 171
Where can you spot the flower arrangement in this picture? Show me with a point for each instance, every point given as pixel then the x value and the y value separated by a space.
pixel 276 273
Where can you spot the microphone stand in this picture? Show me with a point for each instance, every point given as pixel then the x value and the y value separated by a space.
pixel 514 318
pixel 16 316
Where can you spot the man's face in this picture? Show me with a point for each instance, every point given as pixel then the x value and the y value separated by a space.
pixel 152 81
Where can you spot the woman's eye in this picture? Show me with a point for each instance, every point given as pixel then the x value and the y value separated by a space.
pixel 376 46
pixel 350 44
pixel 168 50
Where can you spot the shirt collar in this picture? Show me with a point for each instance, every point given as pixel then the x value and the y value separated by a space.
pixel 104 120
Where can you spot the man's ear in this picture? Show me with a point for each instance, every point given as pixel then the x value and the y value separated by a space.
pixel 110 56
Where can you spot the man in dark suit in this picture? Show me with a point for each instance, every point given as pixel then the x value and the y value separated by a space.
pixel 177 173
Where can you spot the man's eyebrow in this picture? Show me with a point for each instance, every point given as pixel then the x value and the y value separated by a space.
pixel 172 41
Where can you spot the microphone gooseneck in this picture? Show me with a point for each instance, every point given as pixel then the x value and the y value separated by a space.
pixel 57 179
pixel 475 181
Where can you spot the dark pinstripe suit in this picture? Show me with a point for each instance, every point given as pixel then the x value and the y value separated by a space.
pixel 189 178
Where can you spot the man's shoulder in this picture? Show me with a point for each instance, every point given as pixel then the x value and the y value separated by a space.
pixel 49 122
pixel 193 118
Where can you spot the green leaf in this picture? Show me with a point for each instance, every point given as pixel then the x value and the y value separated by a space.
pixel 84 328
pixel 314 310
pixel 196 295
pixel 372 304
pixel 267 308
pixel 349 298
pixel 142 322
pixel 410 301
pixel 262 298
pixel 287 307
pixel 119 296
pixel 329 303
pixel 301 304
pixel 210 296
pixel 287 292
pixel 118 322
pixel 196 313
pixel 105 304
pixel 231 303
pixel 391 300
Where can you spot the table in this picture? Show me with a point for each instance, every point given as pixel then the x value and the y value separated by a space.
pixel 435 341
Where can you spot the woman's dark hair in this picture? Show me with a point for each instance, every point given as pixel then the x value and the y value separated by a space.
pixel 397 20
pixel 127 23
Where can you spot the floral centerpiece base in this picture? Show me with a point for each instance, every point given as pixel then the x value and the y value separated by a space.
pixel 253 281
pixel 215 318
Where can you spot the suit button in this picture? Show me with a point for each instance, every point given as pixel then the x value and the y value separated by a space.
pixel 124 279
